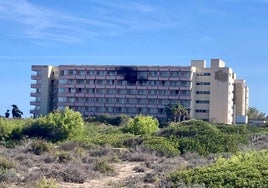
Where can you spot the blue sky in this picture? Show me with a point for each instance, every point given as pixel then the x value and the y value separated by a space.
pixel 133 32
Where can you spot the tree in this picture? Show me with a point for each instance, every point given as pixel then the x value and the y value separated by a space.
pixel 142 125
pixel 177 112
pixel 254 114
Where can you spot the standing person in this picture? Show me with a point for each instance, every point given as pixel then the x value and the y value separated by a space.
pixel 7 114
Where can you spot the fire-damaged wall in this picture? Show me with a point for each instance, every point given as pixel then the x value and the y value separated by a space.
pixel 131 74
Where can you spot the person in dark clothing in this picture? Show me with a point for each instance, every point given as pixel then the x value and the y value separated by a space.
pixel 7 114
pixel 16 113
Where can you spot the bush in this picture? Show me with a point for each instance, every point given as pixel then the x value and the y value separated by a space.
pixel 118 120
pixel 241 170
pixel 203 137
pixel 5 163
pixel 162 146
pixel 142 125
pixel 47 183
pixel 11 129
pixel 104 167
pixel 39 147
pixel 57 126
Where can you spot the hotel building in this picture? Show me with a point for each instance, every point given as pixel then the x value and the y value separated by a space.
pixel 209 93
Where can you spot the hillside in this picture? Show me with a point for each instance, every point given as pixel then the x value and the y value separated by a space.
pixel 63 150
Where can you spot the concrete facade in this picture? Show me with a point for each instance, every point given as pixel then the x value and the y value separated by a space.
pixel 209 93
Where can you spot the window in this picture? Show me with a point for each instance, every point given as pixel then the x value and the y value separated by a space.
pixel 111 100
pixel 122 91
pixel 142 92
pixel 110 109
pixel 101 73
pixel 152 101
pixel 174 83
pixel 132 101
pixel 174 73
pixel 62 90
pixel 153 110
pixel 90 90
pixel 100 82
pixel 72 81
pixel 185 73
pixel 90 72
pixel 143 74
pixel 91 82
pixel 101 100
pixel 202 101
pixel 71 99
pixel 142 101
pixel 153 73
pixel 163 92
pixel 110 82
pixel 153 92
pixel 201 111
pixel 132 91
pixel 111 91
pixel 71 90
pixel 203 92
pixel 81 81
pixel 72 72
pixel 164 73
pixel 122 101
pixel 100 91
pixel 203 74
pixel 203 83
pixel 185 92
pixel 90 99
pixel 132 110
pixel 152 82
pixel 111 73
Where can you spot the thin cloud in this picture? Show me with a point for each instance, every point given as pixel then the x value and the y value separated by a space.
pixel 43 23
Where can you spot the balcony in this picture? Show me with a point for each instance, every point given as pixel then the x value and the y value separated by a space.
pixel 110 77
pixel 37 67
pixel 65 104
pixel 35 94
pixel 79 94
pixel 36 77
pixel 35 103
pixel 66 94
pixel 79 104
pixel 110 86
pixel 110 95
pixel 120 86
pixel 34 111
pixel 36 86
pixel 80 86
pixel 80 76
pixel 90 77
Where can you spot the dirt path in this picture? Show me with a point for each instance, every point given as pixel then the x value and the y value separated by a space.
pixel 124 170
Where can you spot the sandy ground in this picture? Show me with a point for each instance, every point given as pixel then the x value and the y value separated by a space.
pixel 124 171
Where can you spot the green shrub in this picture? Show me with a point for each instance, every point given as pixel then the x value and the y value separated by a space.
pixel 11 129
pixel 142 125
pixel 47 183
pixel 241 170
pixel 57 126
pixel 39 147
pixel 203 137
pixel 162 146
pixel 5 163
pixel 116 120
pixel 63 156
pixel 104 167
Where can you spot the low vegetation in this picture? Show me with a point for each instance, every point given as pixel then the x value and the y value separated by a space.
pixel 62 147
